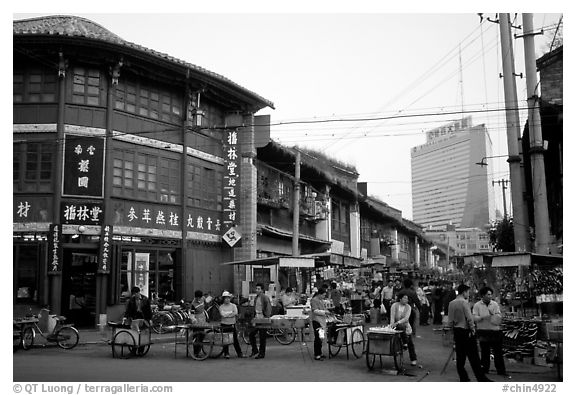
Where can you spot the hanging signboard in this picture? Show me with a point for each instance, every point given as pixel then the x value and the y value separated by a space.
pixel 83 170
pixel 141 271
pixel 105 250
pixel 231 184
pixel 55 249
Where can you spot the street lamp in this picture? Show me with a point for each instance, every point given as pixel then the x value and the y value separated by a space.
pixel 483 161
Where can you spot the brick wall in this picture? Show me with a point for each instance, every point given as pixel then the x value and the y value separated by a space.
pixel 551 82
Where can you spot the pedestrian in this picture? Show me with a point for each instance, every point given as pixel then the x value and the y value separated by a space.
pixel 488 318
pixel 400 320
pixel 200 315
pixel 387 294
pixel 318 316
pixel 424 305
pixel 229 314
pixel 461 321
pixel 413 301
pixel 449 296
pixel 397 288
pixel 262 309
pixel 138 307
pixel 438 297
pixel 336 298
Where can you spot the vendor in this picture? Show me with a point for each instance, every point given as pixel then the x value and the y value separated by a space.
pixel 288 299
pixel 318 316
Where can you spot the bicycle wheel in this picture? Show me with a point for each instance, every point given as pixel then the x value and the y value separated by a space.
pixel 285 336
pixel 28 336
pixel 122 344
pixel 244 334
pixel 67 337
pixel 199 344
pixel 357 343
pixel 163 323
pixel 398 352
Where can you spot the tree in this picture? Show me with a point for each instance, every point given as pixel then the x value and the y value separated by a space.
pixel 502 235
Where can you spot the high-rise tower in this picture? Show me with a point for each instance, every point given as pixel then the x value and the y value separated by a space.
pixel 448 187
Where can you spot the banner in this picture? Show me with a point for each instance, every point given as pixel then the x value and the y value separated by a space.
pixel 83 170
pixel 55 249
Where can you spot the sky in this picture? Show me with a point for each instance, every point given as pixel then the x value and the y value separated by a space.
pixel 418 70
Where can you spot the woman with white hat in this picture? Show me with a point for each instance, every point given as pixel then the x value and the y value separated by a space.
pixel 229 313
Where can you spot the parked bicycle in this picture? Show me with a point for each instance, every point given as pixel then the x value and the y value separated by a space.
pixel 64 335
pixel 284 336
pixel 166 317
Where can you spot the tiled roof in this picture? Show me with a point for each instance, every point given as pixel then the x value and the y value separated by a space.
pixel 74 26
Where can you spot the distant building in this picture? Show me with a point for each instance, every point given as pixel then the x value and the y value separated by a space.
pixel 447 184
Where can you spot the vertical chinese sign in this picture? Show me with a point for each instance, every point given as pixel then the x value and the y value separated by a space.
pixel 55 251
pixel 83 171
pixel 105 250
pixel 231 185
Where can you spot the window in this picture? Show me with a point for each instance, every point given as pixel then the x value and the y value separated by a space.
pixel 145 176
pixel 34 86
pixel 204 186
pixel 148 101
pixel 341 222
pixel 86 86
pixel 26 268
pixel 32 166
pixel 151 270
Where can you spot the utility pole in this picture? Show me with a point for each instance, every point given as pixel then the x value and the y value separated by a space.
pixel 296 205
pixel 539 190
pixel 519 210
pixel 503 183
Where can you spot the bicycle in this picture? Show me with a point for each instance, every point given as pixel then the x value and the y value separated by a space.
pixel 167 318
pixel 284 336
pixel 64 335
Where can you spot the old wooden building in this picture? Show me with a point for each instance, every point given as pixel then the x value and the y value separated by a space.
pixel 128 165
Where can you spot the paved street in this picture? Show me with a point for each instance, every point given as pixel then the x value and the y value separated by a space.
pixel 93 362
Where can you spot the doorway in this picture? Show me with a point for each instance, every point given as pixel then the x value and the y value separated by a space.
pixel 79 286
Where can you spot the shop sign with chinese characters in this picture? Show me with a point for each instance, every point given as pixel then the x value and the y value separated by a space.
pixel 55 249
pixel 83 172
pixel 81 213
pixel 231 184
pixel 148 215
pixel 105 249
pixel 32 209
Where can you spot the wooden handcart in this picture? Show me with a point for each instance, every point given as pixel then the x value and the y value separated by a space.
pixel 128 340
pixel 384 343
pixel 345 335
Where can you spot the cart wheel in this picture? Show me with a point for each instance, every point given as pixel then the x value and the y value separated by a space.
pixel 139 351
pixel 123 349
pixel 333 349
pixel 67 337
pixel 204 348
pixel 213 350
pixel 370 359
pixel 285 336
pixel 357 343
pixel 398 352
pixel 28 336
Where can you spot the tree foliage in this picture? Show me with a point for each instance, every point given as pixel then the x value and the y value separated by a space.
pixel 502 235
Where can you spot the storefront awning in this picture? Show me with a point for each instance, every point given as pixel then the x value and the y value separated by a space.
pixel 281 261
pixel 331 258
pixel 525 259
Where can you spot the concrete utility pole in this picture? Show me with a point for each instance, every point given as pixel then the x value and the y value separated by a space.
pixel 519 210
pixel 539 190
pixel 296 213
pixel 503 183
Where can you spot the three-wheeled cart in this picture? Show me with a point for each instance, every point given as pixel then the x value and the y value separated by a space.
pixel 384 343
pixel 129 340
pixel 207 340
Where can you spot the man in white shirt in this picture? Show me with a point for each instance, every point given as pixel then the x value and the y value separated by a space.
pixel 488 317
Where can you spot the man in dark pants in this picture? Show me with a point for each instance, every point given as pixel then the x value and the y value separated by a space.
pixel 262 309
pixel 461 320
pixel 488 317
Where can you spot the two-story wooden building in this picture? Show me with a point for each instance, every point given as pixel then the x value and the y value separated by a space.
pixel 128 167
